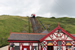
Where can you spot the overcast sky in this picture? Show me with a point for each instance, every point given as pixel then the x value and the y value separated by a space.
pixel 45 8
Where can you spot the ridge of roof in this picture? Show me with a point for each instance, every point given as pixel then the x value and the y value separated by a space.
pixel 29 33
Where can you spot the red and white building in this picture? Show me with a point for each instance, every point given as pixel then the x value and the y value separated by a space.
pixel 57 39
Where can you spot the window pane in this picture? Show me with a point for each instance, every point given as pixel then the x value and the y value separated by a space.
pixel 16 48
pixel 68 47
pixel 50 41
pixel 59 42
pixel 35 48
pixel 44 48
pixel 64 47
pixel 25 48
pixel 74 48
pixel 68 41
pixel 59 48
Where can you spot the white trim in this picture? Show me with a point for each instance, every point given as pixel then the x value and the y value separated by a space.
pixel 16 44
pixel 35 44
pixel 25 44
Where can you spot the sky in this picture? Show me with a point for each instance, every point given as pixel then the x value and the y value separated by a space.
pixel 44 8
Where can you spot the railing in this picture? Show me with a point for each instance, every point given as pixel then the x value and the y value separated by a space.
pixel 41 23
pixel 29 24
pixel 35 26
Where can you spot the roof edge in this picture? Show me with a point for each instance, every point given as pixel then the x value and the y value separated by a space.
pixel 54 31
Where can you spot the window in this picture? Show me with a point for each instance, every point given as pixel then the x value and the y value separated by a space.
pixel 25 48
pixel 74 48
pixel 59 47
pixel 59 42
pixel 68 41
pixel 16 48
pixel 50 41
pixel 68 47
pixel 35 48
pixel 44 48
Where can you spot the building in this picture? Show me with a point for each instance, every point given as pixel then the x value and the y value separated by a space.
pixel 33 15
pixel 57 39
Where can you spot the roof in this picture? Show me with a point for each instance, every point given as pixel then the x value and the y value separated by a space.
pixel 55 30
pixel 26 36
pixel 36 36
pixel 73 35
pixel 46 31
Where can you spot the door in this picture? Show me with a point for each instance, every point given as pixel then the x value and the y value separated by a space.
pixel 25 48
pixel 50 47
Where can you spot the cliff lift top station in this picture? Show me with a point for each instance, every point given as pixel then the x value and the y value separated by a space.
pixel 57 39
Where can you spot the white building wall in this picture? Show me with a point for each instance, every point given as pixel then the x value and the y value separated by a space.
pixel 16 44
pixel 69 38
pixel 48 38
pixel 55 47
pixel 63 36
pixel 35 44
pixel 25 44
pixel 64 47
pixel 39 46
pixel 10 48
pixel 61 33
pixel 30 47
pixel 20 47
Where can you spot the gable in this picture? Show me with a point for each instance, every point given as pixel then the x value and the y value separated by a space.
pixel 48 38
pixel 55 36
pixel 52 35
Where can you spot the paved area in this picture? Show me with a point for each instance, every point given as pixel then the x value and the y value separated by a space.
pixel 4 48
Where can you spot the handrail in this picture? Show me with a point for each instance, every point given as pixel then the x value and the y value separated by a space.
pixel 29 24
pixel 41 23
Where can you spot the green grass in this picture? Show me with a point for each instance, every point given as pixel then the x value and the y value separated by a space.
pixel 20 24
pixel 66 23
pixel 12 24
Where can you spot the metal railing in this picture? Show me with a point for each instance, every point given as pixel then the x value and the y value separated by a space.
pixel 41 23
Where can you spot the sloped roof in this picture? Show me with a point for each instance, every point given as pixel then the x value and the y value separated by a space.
pixel 45 31
pixel 36 36
pixel 55 30
pixel 73 35
pixel 26 36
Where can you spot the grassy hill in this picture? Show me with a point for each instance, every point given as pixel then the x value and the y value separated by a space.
pixel 66 23
pixel 11 24
pixel 20 24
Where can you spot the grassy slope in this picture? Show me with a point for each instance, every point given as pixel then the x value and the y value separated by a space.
pixel 13 23
pixel 67 24
pixel 20 24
